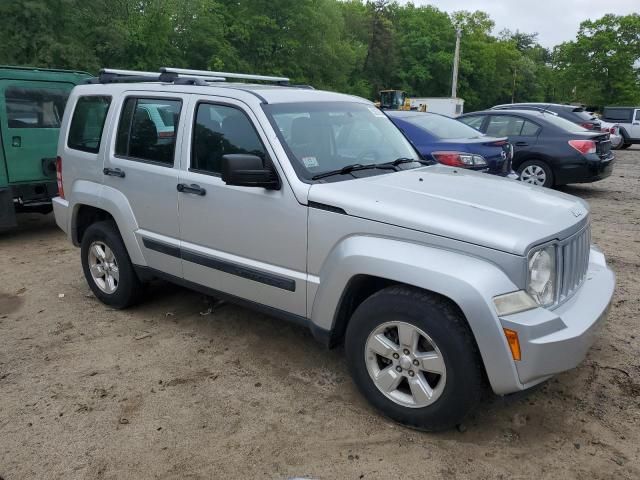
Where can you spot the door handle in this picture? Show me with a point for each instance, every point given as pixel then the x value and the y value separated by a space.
pixel 113 172
pixel 193 188
pixel 636 123
pixel 522 144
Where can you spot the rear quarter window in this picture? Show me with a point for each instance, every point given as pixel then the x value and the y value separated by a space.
pixel 87 123
pixel 615 115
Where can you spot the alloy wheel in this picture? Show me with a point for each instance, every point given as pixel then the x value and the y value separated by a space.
pixel 405 364
pixel 534 175
pixel 103 267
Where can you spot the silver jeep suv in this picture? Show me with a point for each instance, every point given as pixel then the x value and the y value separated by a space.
pixel 313 207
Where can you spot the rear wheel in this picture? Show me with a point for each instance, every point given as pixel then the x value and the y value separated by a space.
pixel 536 172
pixel 107 267
pixel 413 357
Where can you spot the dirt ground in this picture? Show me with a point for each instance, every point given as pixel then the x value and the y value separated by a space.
pixel 163 391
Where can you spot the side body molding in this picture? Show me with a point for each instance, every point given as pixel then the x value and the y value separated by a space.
pixel 470 282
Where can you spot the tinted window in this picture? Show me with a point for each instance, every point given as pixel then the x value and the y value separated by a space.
pixel 220 130
pixel 504 126
pixel 34 107
pixel 87 123
pixel 442 127
pixel 618 114
pixel 473 122
pixel 143 133
pixel 529 129
pixel 637 114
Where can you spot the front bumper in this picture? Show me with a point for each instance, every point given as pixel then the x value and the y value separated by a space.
pixel 553 341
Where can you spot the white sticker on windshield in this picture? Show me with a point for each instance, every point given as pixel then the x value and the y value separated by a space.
pixel 310 162
pixel 376 112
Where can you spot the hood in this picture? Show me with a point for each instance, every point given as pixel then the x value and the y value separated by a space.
pixel 469 206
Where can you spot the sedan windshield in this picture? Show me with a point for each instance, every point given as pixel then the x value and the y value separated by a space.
pixel 442 127
pixel 322 137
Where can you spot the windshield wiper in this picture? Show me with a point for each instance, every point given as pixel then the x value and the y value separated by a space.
pixel 401 160
pixel 354 167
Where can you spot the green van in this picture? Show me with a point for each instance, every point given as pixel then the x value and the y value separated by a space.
pixel 32 102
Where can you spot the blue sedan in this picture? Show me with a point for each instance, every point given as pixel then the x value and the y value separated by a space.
pixel 453 143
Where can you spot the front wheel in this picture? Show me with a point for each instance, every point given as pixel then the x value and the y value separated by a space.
pixel 535 172
pixel 412 356
pixel 107 267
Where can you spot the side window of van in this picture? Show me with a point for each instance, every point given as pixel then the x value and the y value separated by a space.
pixel 34 107
pixel 147 130
pixel 87 123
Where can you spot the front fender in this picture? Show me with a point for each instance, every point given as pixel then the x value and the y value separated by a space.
pixel 468 281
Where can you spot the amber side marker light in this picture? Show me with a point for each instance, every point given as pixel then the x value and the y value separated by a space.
pixel 514 343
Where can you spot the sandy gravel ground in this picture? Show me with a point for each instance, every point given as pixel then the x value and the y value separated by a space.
pixel 162 391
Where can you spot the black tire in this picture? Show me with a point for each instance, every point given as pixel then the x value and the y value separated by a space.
pixel 446 326
pixel 128 288
pixel 625 146
pixel 549 179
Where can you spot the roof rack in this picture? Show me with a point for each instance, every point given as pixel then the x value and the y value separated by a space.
pixel 178 76
pixel 226 75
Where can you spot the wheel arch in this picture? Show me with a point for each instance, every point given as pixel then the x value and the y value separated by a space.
pixel 99 202
pixel 364 265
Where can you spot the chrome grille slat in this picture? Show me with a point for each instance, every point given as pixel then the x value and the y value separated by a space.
pixel 575 263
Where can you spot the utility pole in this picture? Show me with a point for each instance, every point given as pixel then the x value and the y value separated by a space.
pixel 456 61
pixel 513 90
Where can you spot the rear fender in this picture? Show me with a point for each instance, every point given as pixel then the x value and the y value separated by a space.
pixel 116 204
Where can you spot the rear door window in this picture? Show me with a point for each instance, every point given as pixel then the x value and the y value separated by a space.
pixel 87 123
pixel 529 129
pixel 504 126
pixel 147 130
pixel 29 107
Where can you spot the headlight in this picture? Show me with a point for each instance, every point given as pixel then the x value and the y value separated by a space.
pixel 541 284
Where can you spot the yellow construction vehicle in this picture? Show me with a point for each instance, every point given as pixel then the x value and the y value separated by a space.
pixel 394 100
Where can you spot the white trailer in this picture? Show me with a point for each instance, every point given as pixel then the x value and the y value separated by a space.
pixel 451 107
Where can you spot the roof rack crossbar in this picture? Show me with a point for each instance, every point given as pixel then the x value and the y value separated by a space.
pixel 113 75
pixel 225 75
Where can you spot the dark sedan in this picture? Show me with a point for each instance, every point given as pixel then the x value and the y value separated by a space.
pixel 573 113
pixel 548 150
pixel 452 143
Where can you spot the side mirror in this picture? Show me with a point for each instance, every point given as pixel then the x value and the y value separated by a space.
pixel 245 170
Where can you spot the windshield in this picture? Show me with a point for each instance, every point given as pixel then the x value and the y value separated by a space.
pixel 392 99
pixel 442 127
pixel 564 124
pixel 324 136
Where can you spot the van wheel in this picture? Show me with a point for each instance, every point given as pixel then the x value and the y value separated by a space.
pixel 535 172
pixel 412 356
pixel 107 266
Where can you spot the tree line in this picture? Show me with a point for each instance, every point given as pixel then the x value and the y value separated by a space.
pixel 351 46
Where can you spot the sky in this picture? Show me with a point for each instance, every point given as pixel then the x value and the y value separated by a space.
pixel 555 21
